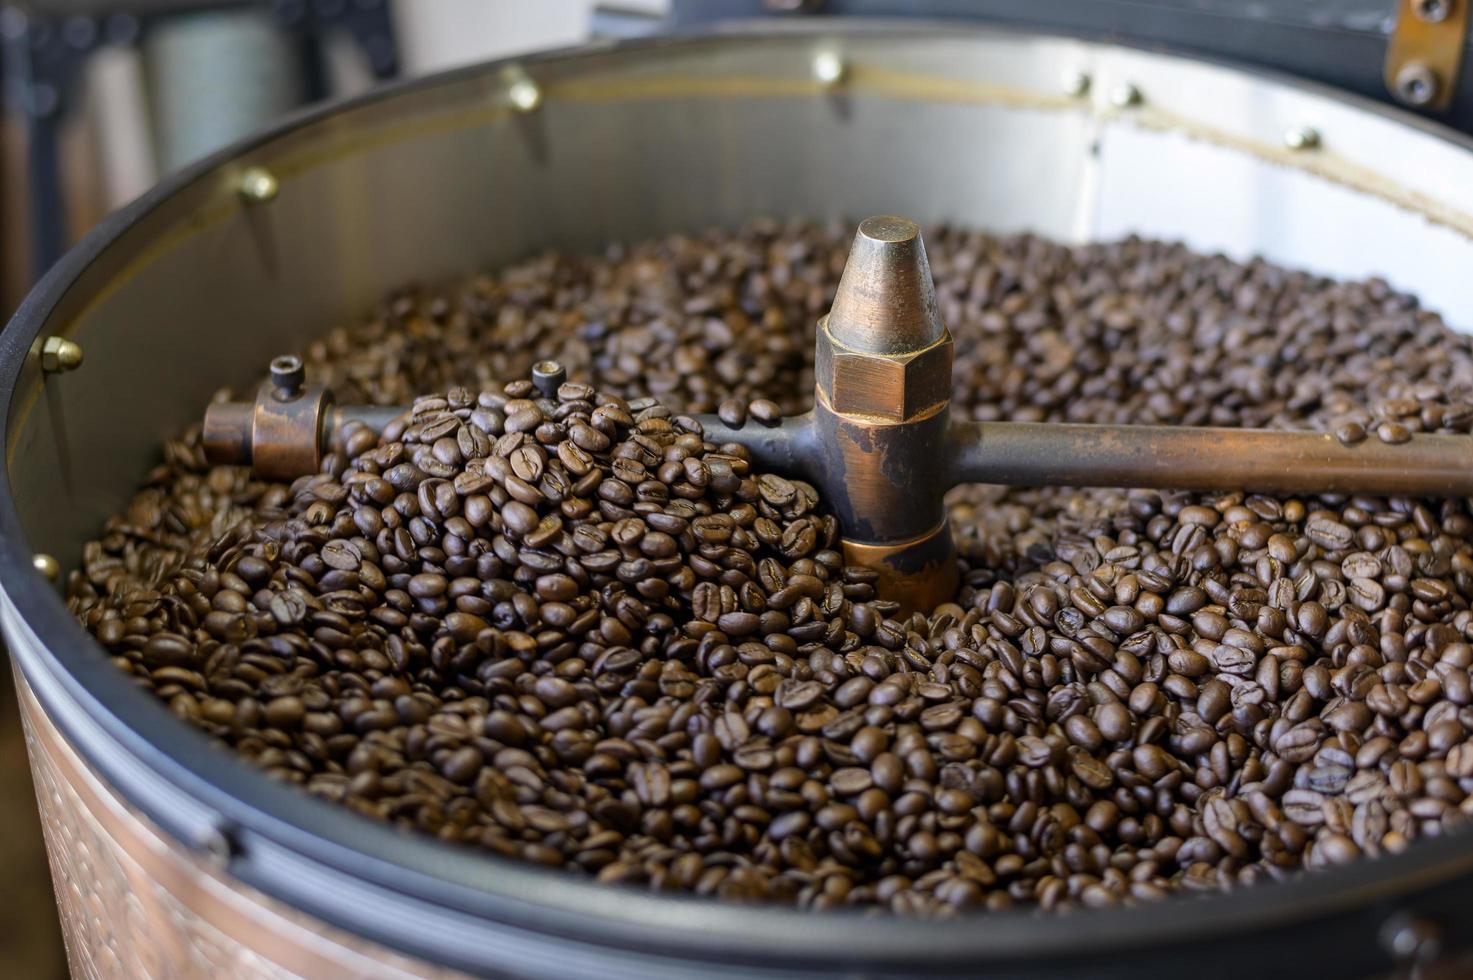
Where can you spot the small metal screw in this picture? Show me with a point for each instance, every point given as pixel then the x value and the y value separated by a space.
pixel 1302 138
pixel 47 566
pixel 1433 11
pixel 1416 84
pixel 829 68
pixel 548 377
pixel 1125 95
pixel 288 374
pixel 259 185
pixel 524 95
pixel 59 355
pixel 1411 939
pixel 218 844
pixel 1076 84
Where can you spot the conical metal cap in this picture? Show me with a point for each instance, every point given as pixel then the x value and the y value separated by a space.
pixel 886 303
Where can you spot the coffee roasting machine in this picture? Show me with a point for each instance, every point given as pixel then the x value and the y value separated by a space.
pixel 1085 121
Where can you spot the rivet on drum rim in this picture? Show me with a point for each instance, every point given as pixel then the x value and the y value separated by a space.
pixel 1125 95
pixel 829 68
pixel 523 94
pixel 59 355
pixel 47 566
pixel 1302 138
pixel 259 185
pixel 1076 84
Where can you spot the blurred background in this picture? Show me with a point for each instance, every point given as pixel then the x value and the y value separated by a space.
pixel 103 97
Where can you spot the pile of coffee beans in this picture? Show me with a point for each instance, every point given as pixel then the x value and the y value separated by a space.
pixel 567 629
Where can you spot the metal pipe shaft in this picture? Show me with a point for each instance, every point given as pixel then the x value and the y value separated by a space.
pixel 789 447
pixel 373 416
pixel 1168 457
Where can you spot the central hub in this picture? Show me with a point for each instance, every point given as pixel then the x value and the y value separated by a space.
pixel 883 372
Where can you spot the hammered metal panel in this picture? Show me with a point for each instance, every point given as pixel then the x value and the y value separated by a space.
pixel 135 904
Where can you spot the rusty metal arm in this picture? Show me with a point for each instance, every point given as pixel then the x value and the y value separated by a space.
pixel 373 416
pixel 1168 457
pixel 790 447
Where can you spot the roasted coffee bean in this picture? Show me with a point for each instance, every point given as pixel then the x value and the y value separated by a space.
pixel 572 630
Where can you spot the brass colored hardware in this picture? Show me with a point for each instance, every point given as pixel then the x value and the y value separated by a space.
pixel 1426 52
pixel 259 185
pixel 1302 138
pixel 59 355
pixel 522 92
pixel 829 68
pixel 47 566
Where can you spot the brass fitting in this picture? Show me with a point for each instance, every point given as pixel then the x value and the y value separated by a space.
pixel 282 434
pixel 58 354
pixel 890 387
pixel 883 352
pixel 882 413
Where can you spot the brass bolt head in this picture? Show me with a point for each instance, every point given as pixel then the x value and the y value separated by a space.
pixel 828 68
pixel 47 566
pixel 1125 96
pixel 1302 138
pixel 524 95
pixel 259 185
pixel 891 388
pixel 59 355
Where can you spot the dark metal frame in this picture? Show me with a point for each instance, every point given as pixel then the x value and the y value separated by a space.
pixel 484 914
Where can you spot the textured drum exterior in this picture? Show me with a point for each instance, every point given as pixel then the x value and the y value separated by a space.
pixel 134 903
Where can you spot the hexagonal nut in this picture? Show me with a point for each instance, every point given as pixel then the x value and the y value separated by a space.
pixel 892 387
pixel 59 354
